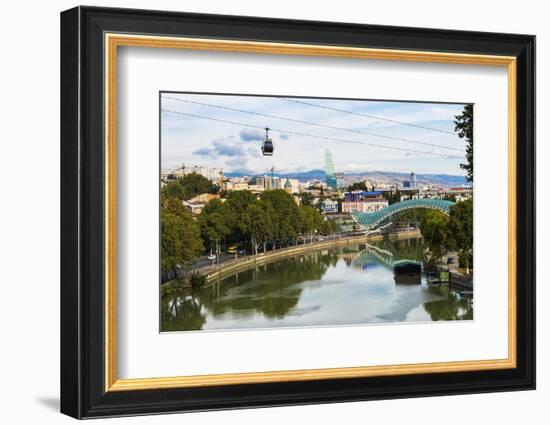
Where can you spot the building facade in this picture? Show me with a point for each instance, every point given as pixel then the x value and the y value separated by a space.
pixel 360 201
pixel 340 183
pixel 329 206
pixel 330 174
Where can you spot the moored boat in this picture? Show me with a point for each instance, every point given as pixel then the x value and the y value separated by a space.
pixel 407 267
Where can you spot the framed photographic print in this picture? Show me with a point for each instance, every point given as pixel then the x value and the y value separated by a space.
pixel 261 212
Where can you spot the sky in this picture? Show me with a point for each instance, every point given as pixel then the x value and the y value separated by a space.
pixel 207 130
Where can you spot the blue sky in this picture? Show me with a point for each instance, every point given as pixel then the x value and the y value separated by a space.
pixel 197 134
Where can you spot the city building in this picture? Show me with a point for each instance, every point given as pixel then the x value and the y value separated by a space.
pixel 272 183
pixel 295 185
pixel 288 187
pixel 260 181
pixel 211 173
pixel 167 175
pixel 329 206
pixel 315 192
pixel 459 193
pixel 205 197
pixel 411 183
pixel 361 201
pixel 194 208
pixel 340 183
pixel 268 182
pixel 235 184
pixel 256 188
pixel 215 175
pixel 330 175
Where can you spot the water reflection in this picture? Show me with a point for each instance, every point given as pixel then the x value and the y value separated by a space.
pixel 352 285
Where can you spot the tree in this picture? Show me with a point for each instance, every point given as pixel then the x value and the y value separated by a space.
pixel 238 219
pixel 328 227
pixel 286 218
pixel 307 220
pixel 358 186
pixel 194 184
pixel 460 230
pixel 189 186
pixel 464 126
pixel 260 228
pixel 174 189
pixel 412 215
pixel 435 233
pixel 213 223
pixel 306 198
pixel 312 222
pixel 181 243
pixel 392 197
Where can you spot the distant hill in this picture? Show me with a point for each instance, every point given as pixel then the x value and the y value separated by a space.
pixel 391 177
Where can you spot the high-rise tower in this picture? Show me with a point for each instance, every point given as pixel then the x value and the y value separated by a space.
pixel 329 171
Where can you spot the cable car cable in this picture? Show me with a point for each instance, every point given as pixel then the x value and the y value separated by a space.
pixel 312 136
pixel 401 139
pixel 366 115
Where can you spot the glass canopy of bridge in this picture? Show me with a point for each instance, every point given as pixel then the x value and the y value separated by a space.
pixel 369 221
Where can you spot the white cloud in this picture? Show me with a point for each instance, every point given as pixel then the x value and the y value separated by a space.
pixel 201 141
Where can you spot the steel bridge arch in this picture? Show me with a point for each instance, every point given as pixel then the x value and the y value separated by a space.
pixel 369 221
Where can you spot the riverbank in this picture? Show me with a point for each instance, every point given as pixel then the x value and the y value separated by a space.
pixel 220 271
pixel 331 285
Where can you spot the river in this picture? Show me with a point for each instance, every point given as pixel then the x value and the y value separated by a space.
pixel 340 286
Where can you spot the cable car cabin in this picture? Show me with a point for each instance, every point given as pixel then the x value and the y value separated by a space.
pixel 267 148
pixel 267 145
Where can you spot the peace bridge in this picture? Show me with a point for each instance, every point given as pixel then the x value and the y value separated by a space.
pixel 372 220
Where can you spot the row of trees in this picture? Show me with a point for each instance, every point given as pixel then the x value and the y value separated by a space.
pixel 450 233
pixel 272 220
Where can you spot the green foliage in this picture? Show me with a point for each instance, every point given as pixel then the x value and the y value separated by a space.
pixel 181 313
pixel 461 217
pixel 306 198
pixel 213 222
pixel 435 233
pixel 452 233
pixel 194 184
pixel 261 228
pixel 174 189
pixel 461 229
pixel 180 236
pixel 309 223
pixel 242 218
pixel 189 186
pixel 412 215
pixel 286 217
pixel 465 260
pixel 392 197
pixel 358 186
pixel 197 279
pixel 328 227
pixel 464 126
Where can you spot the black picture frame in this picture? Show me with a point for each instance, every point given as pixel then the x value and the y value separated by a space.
pixel 83 392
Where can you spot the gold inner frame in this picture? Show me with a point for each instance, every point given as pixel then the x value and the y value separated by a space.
pixel 113 41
